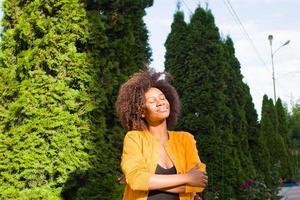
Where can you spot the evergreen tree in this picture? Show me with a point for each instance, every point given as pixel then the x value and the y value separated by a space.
pixel 294 136
pixel 267 131
pixel 286 162
pixel 275 143
pixel 199 79
pixel 258 149
pixel 257 142
pixel 294 127
pixel 282 121
pixel 177 50
pixel 47 131
pixel 277 147
pixel 252 126
pixel 236 98
pixel 61 65
pixel 128 52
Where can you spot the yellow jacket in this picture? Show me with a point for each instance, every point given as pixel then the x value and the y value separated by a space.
pixel 140 158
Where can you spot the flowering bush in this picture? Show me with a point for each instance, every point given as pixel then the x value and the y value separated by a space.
pixel 246 184
pixel 254 189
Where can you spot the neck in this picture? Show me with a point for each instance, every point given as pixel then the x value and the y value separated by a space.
pixel 159 130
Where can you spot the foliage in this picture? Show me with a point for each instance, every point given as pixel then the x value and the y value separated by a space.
pixel 237 98
pixel 254 189
pixel 217 108
pixel 294 137
pixel 202 66
pixel 61 64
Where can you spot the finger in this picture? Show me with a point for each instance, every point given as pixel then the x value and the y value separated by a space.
pixel 205 181
pixel 203 173
pixel 205 177
pixel 202 185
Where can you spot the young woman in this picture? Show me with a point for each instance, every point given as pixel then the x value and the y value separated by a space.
pixel 157 163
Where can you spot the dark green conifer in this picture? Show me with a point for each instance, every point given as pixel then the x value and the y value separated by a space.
pixel 177 50
pixel 236 99
pixel 294 136
pixel 266 133
pixel 285 160
pixel 196 59
pixel 282 121
pixel 279 158
pixel 61 65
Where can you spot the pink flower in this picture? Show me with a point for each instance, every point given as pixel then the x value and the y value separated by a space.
pixel 246 184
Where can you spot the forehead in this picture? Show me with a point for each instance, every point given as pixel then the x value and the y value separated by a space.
pixel 153 92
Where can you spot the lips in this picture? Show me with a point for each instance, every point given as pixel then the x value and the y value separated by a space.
pixel 163 109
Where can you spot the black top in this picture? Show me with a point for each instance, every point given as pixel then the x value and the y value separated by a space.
pixel 161 195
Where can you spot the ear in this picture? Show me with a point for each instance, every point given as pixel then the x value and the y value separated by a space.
pixel 143 112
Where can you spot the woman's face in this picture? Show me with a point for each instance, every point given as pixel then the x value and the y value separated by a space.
pixel 157 107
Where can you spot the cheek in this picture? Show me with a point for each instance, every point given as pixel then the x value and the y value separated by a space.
pixel 150 108
pixel 168 104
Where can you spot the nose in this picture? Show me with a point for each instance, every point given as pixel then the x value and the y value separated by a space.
pixel 160 102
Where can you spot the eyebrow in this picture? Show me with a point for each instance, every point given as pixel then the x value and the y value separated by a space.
pixel 154 96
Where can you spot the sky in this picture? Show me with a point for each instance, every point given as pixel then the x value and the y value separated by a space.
pixel 259 19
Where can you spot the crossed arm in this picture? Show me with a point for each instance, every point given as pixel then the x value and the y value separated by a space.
pixel 177 183
pixel 138 177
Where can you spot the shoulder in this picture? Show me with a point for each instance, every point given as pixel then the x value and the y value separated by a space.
pixel 182 136
pixel 134 135
pixel 132 140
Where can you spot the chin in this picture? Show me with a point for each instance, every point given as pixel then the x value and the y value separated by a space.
pixel 165 116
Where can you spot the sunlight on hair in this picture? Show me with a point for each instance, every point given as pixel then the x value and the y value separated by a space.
pixel 162 77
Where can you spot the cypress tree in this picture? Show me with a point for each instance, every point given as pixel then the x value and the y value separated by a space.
pixel 275 143
pixel 236 98
pixel 252 127
pixel 267 131
pixel 47 131
pixel 286 162
pixel 282 121
pixel 294 136
pixel 257 142
pixel 199 79
pixel 294 127
pixel 63 62
pixel 126 51
pixel 177 51
pixel 258 149
pixel 278 151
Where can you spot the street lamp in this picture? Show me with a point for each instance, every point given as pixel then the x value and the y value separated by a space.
pixel 270 38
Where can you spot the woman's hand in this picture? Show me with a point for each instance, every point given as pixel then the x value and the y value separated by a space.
pixel 196 177
pixel 176 183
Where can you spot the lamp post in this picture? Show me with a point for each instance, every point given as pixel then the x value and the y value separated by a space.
pixel 270 38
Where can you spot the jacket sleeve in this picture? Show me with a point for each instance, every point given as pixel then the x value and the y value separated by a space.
pixel 192 158
pixel 132 163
